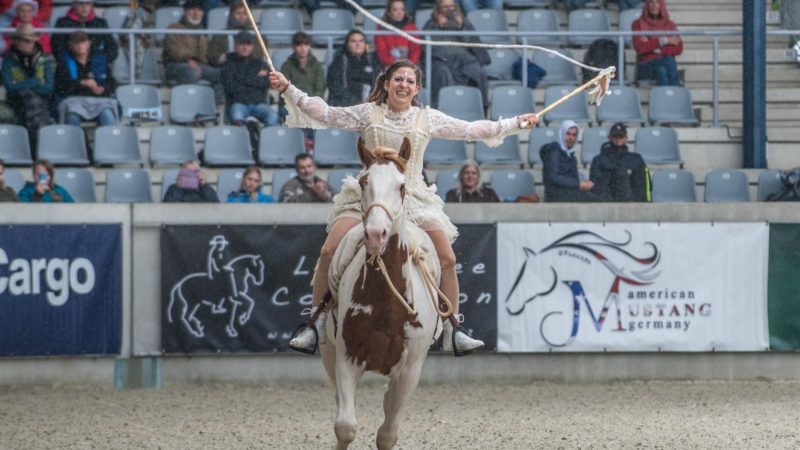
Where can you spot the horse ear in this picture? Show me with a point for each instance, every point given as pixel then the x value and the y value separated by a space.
pixel 364 155
pixel 405 149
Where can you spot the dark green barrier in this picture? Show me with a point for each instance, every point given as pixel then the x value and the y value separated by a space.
pixel 783 293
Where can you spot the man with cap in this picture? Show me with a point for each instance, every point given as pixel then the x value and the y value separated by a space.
pixel 244 78
pixel 562 182
pixel 186 55
pixel 26 13
pixel 82 15
pixel 619 175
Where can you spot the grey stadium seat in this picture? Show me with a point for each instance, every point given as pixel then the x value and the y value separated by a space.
pixel 279 56
pixel 488 21
pixel 279 145
pixel 658 145
pixel 724 186
pixel 331 19
pixel 281 19
pixel 171 144
pixel 78 182
pixel 559 71
pixel 592 140
pixel 140 103
pixel 445 151
pixel 14 146
pixel 336 147
pixel 463 102
pixel 626 19
pixel 505 153
pixel 499 70
pixel 539 20
pixel 58 12
pixel 539 137
pixel 671 104
pixel 769 182
pixel 510 101
pixel 227 146
pixel 218 18
pixel 576 108
pixel 336 177
pixel 279 178
pixel 128 186
pixel 166 16
pixel 116 16
pixel 192 103
pixel 116 144
pixel 168 178
pixel 673 185
pixel 62 145
pixel 510 184
pixel 446 180
pixel 621 104
pixel 228 180
pixel 526 3
pixel 13 178
pixel 150 73
pixel 422 16
pixel 587 20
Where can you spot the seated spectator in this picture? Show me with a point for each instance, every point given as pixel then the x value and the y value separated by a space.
pixel 28 79
pixel 560 168
pixel 250 189
pixel 471 5
pixel 141 18
pixel 82 15
pixel 619 175
pixel 26 14
pixel 306 186
pixel 43 188
pixel 469 188
pixel 655 55
pixel 220 45
pixel 191 186
pixel 186 55
pixel 85 85
pixel 306 72
pixel 352 71
pixel 245 81
pixel 391 47
pixel 7 194
pixel 455 65
pixel 8 12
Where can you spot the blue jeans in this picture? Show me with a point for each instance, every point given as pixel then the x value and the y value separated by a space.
pixel 238 112
pixel 183 73
pixel 472 5
pixel 104 118
pixel 663 70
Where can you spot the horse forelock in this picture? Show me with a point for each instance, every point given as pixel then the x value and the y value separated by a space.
pixel 385 155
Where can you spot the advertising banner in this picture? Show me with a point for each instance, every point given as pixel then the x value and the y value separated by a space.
pixel 243 288
pixel 632 287
pixel 60 290
pixel 784 286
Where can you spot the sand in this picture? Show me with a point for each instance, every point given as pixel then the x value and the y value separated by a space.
pixel 757 414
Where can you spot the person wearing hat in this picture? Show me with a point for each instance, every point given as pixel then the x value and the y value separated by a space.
pixel 186 55
pixel 245 81
pixel 25 11
pixel 8 10
pixel 619 175
pixel 221 44
pixel 82 15
pixel 562 182
pixel 28 79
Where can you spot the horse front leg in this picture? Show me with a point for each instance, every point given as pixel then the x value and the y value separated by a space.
pixel 231 327
pixel 347 376
pixel 401 386
pixel 245 316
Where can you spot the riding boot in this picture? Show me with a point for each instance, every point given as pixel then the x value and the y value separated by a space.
pixel 308 335
pixel 457 339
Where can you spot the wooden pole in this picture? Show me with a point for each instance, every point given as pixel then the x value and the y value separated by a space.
pixel 563 99
pixel 258 36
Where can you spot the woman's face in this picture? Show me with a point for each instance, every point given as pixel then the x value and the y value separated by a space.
pixel 356 44
pixel 25 13
pixel 252 182
pixel 240 15
pixel 81 48
pixel 401 88
pixel 469 178
pixel 397 11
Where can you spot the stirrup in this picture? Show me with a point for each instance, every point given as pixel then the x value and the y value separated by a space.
pixel 310 350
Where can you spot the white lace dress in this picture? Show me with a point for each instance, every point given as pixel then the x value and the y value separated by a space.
pixel 382 127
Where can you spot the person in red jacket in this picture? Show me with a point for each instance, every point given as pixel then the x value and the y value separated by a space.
pixel 655 55
pixel 27 11
pixel 391 47
pixel 7 11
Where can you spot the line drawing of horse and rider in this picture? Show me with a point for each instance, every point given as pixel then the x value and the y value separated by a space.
pixel 223 288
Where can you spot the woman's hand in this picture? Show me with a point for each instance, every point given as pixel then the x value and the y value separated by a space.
pixel 527 120
pixel 278 81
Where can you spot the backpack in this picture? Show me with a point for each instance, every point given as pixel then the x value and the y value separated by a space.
pixel 535 72
pixel 790 187
pixel 601 53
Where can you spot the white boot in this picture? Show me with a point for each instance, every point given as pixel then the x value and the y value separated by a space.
pixel 306 337
pixel 463 342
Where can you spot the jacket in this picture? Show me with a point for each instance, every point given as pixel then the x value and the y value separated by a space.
pixel 42 14
pixel 70 73
pixel 348 75
pixel 101 43
pixel 483 195
pixel 44 38
pixel 619 175
pixel 241 81
pixel 183 47
pixel 37 78
pixel 650 47
pixel 385 43
pixel 310 79
pixel 8 195
pixel 295 191
pixel 243 197
pixel 221 44
pixel 28 194
pixel 204 194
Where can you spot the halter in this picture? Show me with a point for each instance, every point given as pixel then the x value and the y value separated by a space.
pixel 392 215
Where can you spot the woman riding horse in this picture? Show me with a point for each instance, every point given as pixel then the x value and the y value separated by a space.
pixel 392 113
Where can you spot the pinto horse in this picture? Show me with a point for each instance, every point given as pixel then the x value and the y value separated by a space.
pixel 387 315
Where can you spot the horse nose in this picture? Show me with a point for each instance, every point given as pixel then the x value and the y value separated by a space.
pixel 375 238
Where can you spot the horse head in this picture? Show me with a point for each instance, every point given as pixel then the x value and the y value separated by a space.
pixel 245 269
pixel 382 191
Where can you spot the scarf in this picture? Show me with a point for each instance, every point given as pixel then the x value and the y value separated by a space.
pixel 27 62
pixel 562 133
pixel 71 14
pixel 655 23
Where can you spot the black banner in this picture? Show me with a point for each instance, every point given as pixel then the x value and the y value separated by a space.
pixel 242 288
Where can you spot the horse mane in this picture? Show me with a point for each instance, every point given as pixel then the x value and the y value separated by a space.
pixel 385 155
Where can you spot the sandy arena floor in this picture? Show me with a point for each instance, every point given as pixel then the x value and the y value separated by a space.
pixel 669 415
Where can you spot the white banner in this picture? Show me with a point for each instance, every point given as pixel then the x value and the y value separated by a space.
pixel 632 287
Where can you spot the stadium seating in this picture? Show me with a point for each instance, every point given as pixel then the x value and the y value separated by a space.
pixel 337 176
pixel 658 145
pixel 13 178
pixel 769 182
pixel 592 140
pixel 446 180
pixel 499 70
pixel 671 104
pixel 78 182
pixel 331 19
pixel 488 21
pixel 281 19
pixel 63 145
pixel 115 144
pixel 539 137
pixel 510 101
pixel 559 71
pixel 507 153
pixel 463 102
pixel 279 178
pixel 510 184
pixel 279 145
pixel 445 151
pixel 128 186
pixel 539 20
pixel 336 147
pixel 58 12
pixel 622 104
pixel 228 180
pixel 585 20
pixel 724 185
pixel 218 18
pixel 227 146
pixel 626 19
pixel 280 55
pixel 14 146
pixel 116 15
pixel 575 109
pixel 673 185
pixel 171 144
pixel 140 103
pixel 165 16
pixel 192 103
pixel 168 178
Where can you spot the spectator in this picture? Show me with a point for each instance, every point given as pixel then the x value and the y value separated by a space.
pixel 7 193
pixel 221 44
pixel 141 18
pixel 85 85
pixel 469 188
pixel 455 65
pixel 391 47
pixel 245 81
pixel 190 186
pixel 186 55
pixel 306 187
pixel 306 72
pixel 471 5
pixel 82 15
pixel 28 79
pixel 560 169
pixel 26 14
pixel 352 72
pixel 250 189
pixel 43 188
pixel 8 9
pixel 619 175
pixel 655 55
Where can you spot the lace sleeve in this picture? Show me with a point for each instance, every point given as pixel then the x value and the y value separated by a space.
pixel 491 132
pixel 313 112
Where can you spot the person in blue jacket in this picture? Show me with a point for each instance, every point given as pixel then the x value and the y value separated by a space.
pixel 560 169
pixel 250 189
pixel 43 188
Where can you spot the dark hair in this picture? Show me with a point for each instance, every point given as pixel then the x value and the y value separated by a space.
pixel 300 157
pixel 379 94
pixel 78 36
pixel 234 6
pixel 301 38
pixel 386 15
pixel 351 33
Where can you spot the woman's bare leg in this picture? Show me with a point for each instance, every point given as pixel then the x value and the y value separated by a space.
pixel 335 235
